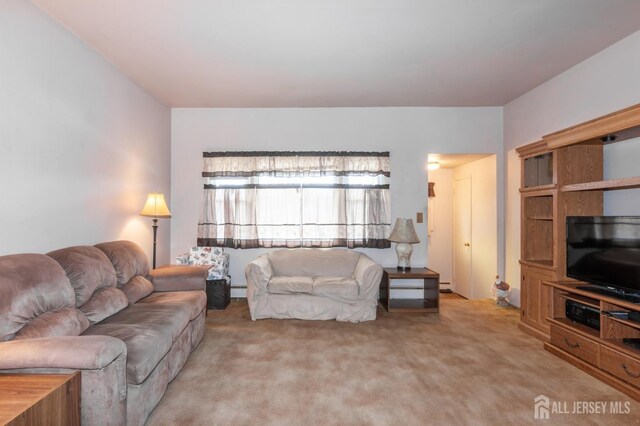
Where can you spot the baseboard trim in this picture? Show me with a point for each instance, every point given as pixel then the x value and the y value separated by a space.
pixel 532 331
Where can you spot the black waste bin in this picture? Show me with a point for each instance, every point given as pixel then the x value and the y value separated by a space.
pixel 218 294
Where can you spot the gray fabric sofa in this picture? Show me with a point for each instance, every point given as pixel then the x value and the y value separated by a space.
pixel 314 284
pixel 100 311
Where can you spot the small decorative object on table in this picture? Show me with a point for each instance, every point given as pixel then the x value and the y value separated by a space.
pixel 500 291
pixel 218 279
pixel 404 234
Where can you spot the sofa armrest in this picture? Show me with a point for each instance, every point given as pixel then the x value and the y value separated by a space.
pixel 179 278
pixel 182 259
pixel 67 352
pixel 258 273
pixel 368 274
pixel 73 352
pixel 101 360
pixel 218 267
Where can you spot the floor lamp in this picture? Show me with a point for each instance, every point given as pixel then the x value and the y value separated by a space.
pixel 156 208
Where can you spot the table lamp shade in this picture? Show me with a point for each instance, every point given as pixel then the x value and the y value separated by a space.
pixel 156 206
pixel 404 232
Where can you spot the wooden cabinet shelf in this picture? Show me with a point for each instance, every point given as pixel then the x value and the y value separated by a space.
pixel 628 323
pixel 534 189
pixel 603 185
pixel 538 191
pixel 540 263
pixel 538 228
pixel 576 327
pixel 581 299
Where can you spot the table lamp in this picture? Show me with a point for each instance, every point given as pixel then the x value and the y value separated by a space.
pixel 156 208
pixel 404 234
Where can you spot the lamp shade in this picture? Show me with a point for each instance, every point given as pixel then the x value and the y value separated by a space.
pixel 404 232
pixel 156 207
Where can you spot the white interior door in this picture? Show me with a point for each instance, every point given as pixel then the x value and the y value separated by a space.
pixel 462 237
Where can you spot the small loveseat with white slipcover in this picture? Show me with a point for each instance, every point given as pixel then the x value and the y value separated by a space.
pixel 315 284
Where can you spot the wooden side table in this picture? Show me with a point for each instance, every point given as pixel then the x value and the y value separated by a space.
pixel 429 303
pixel 40 399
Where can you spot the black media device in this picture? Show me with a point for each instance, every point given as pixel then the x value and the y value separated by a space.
pixel 583 314
pixel 632 341
pixel 604 251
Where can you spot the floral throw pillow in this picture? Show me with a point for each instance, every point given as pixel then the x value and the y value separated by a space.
pixel 204 255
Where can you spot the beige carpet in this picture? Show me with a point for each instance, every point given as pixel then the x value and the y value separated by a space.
pixel 468 365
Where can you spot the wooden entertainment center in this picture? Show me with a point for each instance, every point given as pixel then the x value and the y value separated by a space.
pixel 562 175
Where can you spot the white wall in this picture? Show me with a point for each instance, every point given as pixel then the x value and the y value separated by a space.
pixel 80 144
pixel 484 224
pixel 441 240
pixel 606 82
pixel 408 133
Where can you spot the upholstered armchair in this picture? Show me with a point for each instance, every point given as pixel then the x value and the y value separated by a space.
pixel 214 257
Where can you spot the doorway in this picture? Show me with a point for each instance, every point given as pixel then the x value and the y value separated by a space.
pixel 463 222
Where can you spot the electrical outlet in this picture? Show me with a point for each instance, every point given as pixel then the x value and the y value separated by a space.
pixel 419 217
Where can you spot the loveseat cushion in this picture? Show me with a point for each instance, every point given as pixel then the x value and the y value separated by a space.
pixel 30 285
pixel 104 303
pixel 127 258
pixel 63 322
pixel 290 285
pixel 148 330
pixel 336 287
pixel 87 268
pixel 194 301
pixel 314 262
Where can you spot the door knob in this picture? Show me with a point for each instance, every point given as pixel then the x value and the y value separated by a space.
pixel 467 244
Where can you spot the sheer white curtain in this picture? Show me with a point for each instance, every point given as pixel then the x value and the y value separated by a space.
pixel 298 199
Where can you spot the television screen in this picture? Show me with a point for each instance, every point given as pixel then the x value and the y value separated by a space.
pixel 604 250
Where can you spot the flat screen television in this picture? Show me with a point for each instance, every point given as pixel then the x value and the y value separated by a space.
pixel 605 251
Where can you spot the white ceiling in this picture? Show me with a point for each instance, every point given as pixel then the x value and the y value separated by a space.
pixel 333 53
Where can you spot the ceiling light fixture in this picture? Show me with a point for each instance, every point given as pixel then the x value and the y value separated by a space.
pixel 433 165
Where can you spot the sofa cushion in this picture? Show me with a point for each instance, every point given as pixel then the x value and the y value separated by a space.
pixel 63 322
pixel 148 330
pixel 104 303
pixel 137 288
pixel 30 285
pixel 314 262
pixel 290 285
pixel 336 287
pixel 194 301
pixel 127 258
pixel 87 268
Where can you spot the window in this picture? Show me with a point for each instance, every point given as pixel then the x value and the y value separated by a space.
pixel 301 199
